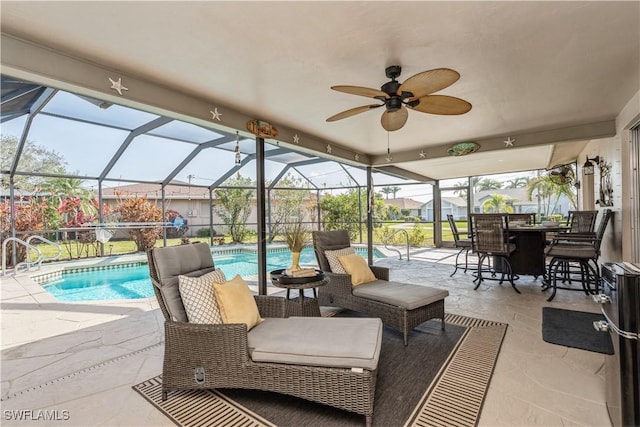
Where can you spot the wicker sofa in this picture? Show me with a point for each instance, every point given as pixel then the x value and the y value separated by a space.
pixel 401 306
pixel 335 365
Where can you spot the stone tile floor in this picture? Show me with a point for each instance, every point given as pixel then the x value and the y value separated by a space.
pixel 78 361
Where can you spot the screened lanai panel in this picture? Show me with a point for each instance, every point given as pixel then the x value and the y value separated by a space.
pixel 293 179
pixel 271 171
pixel 183 131
pixel 85 148
pixel 247 146
pixel 150 158
pixel 207 167
pixel 385 179
pixel 11 132
pixel 290 157
pixel 18 97
pixel 327 174
pixel 85 108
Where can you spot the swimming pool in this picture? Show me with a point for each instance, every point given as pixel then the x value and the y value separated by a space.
pixel 132 282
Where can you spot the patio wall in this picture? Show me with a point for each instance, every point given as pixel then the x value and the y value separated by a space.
pixel 616 246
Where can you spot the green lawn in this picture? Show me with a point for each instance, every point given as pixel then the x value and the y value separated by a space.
pixel 75 250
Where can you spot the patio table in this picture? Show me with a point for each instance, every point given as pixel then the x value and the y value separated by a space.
pixel 300 306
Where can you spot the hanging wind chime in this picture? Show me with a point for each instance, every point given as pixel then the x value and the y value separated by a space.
pixel 237 150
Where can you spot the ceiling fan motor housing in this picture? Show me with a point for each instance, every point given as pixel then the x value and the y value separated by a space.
pixel 394 102
pixel 393 71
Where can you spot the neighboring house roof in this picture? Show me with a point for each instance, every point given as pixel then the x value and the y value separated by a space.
pixel 404 203
pixel 455 201
pixel 518 195
pixel 154 191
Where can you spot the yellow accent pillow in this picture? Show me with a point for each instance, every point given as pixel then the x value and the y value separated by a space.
pixel 236 302
pixel 357 267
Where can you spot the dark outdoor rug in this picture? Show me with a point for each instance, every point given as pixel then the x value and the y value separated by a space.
pixel 574 329
pixel 439 379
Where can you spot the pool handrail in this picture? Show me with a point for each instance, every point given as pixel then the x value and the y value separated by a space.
pixel 49 242
pixel 27 243
pixel 18 265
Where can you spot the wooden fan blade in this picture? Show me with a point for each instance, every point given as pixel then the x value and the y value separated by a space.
pixel 394 121
pixel 362 91
pixel 429 82
pixel 353 112
pixel 442 104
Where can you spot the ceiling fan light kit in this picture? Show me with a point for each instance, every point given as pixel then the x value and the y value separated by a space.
pixel 415 93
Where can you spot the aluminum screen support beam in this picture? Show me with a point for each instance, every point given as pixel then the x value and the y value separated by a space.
pixel 370 198
pixel 261 213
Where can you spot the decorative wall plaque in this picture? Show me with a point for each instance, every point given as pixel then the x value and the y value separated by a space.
pixel 262 129
pixel 463 148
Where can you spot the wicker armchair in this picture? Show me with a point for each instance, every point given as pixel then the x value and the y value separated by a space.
pixel 401 306
pixel 209 356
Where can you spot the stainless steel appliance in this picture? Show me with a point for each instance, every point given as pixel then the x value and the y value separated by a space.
pixel 620 304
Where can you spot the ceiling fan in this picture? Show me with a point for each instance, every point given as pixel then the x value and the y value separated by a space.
pixel 415 94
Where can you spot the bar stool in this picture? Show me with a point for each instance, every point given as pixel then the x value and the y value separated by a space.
pixel 574 257
pixel 464 244
pixel 490 237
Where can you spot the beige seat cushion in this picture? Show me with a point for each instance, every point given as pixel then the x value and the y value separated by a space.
pixel 316 341
pixel 400 294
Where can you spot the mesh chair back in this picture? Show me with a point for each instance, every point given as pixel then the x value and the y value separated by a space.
pixel 528 218
pixel 582 221
pixel 328 241
pixel 490 233
pixel 604 220
pixel 454 229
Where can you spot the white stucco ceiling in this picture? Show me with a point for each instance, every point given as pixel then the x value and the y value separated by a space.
pixel 526 67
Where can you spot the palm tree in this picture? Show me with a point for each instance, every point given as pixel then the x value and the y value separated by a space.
pixel 519 182
pixel 387 191
pixel 497 203
pixel 549 191
pixel 487 184
pixel 461 189
pixel 60 189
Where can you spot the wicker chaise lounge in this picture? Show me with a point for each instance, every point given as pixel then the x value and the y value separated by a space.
pixel 335 365
pixel 401 306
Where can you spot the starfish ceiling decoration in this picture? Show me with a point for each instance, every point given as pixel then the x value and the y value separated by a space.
pixel 215 114
pixel 117 85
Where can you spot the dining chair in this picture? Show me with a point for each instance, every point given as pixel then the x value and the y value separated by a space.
pixel 527 218
pixel 464 243
pixel 581 221
pixel 578 222
pixel 574 257
pixel 491 240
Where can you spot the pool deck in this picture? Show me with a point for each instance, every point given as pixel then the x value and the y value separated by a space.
pixel 83 358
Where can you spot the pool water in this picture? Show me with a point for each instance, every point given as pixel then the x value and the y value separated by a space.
pixel 134 282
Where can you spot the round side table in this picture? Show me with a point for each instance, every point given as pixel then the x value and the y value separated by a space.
pixel 300 306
